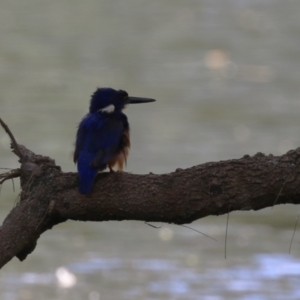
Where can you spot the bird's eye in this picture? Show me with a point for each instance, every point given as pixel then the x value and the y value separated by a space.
pixel 123 95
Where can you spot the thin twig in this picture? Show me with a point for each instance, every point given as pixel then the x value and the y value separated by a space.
pixel 153 226
pixel 197 231
pixel 225 250
pixel 13 140
pixel 13 184
pixel 9 175
pixel 17 199
pixel 293 234
pixel 158 227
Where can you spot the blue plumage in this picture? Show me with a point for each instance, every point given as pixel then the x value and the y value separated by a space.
pixel 103 135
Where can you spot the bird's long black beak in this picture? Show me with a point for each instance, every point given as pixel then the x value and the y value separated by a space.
pixel 136 100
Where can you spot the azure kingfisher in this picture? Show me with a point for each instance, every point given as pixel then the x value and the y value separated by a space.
pixel 102 138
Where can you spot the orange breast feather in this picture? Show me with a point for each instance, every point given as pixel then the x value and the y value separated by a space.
pixel 120 159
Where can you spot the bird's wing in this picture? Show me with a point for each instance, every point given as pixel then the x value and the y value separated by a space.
pixel 98 139
pixel 106 142
pixel 80 137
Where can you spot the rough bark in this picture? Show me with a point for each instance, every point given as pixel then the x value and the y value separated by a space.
pixel 49 196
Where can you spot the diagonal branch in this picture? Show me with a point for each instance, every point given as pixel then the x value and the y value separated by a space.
pixel 50 196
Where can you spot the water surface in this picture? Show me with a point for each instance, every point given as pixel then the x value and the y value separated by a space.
pixel 226 78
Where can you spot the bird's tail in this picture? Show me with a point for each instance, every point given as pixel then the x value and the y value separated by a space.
pixel 87 176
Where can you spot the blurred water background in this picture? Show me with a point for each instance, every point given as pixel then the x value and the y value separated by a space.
pixel 226 78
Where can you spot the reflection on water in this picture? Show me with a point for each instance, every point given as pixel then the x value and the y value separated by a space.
pixel 226 78
pixel 65 278
pixel 270 274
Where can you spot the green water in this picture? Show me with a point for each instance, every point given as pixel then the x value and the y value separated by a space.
pixel 226 78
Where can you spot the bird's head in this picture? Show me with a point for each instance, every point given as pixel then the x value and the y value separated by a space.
pixel 108 100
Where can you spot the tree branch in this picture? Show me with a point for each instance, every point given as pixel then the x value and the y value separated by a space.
pixel 50 196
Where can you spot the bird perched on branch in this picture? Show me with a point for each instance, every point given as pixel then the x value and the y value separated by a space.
pixel 103 135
